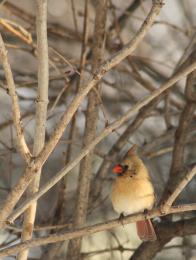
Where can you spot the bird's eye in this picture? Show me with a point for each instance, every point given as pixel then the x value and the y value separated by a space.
pixel 125 167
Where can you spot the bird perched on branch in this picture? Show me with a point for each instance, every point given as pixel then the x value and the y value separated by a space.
pixel 133 192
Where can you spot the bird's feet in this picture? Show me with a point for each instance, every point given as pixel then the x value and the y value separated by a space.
pixel 121 217
pixel 145 213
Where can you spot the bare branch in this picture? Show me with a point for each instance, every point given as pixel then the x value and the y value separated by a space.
pixel 94 229
pixel 187 178
pixel 41 115
pixel 86 169
pixel 23 148
pixel 181 135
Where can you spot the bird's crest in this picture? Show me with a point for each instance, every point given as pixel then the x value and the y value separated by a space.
pixel 133 150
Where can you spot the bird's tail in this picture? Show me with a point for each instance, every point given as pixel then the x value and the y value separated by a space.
pixel 145 230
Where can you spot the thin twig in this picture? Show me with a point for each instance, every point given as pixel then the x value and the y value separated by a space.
pixel 23 148
pixel 17 30
pixel 187 178
pixel 73 8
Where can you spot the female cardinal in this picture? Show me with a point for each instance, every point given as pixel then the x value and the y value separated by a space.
pixel 133 192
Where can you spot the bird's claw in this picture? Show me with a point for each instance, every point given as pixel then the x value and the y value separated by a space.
pixel 121 217
pixel 145 213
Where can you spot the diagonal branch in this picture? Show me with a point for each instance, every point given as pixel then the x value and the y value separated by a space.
pixel 187 178
pixel 22 146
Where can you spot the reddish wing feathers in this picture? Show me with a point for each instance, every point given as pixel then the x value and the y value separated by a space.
pixel 145 230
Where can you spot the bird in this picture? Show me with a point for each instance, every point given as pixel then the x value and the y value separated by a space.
pixel 133 192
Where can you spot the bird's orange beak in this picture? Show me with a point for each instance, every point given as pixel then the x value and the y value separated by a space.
pixel 117 169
